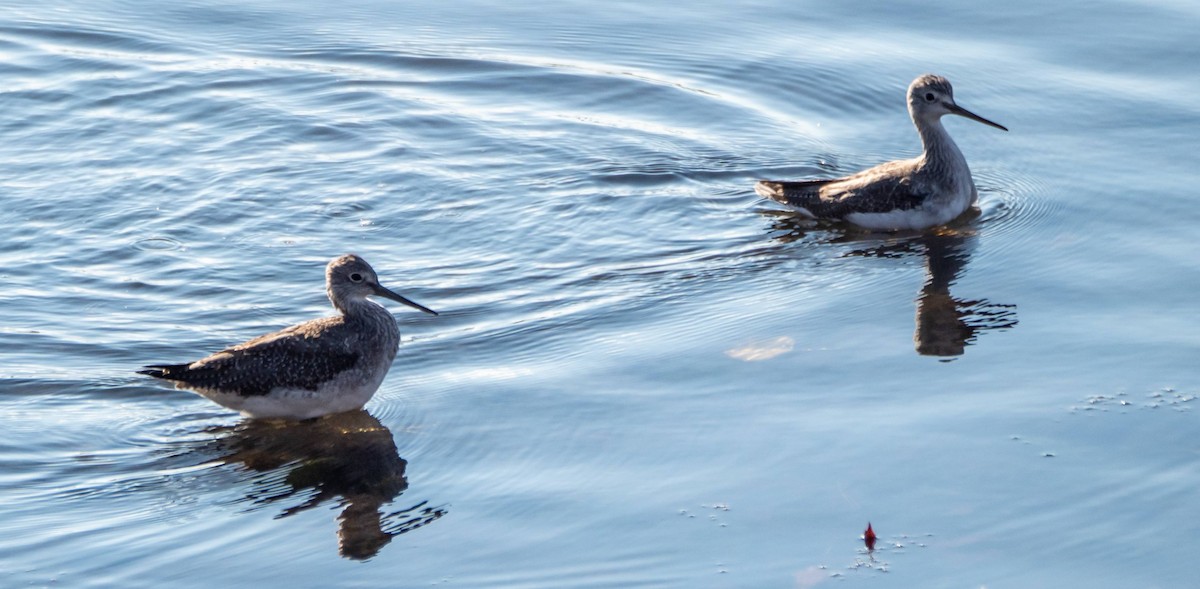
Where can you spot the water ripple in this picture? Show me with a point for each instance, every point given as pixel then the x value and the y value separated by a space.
pixel 627 330
pixel 1013 203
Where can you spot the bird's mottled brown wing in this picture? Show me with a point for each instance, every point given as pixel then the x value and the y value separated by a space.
pixel 292 358
pixel 878 190
pixel 881 196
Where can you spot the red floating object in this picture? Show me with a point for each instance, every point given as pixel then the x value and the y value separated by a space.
pixel 869 537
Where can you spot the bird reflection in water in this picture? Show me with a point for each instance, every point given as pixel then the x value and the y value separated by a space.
pixel 349 455
pixel 945 325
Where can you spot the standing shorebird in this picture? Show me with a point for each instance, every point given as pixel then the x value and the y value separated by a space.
pixel 926 191
pixel 315 368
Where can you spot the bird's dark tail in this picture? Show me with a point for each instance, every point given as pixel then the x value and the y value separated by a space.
pixel 797 194
pixel 162 370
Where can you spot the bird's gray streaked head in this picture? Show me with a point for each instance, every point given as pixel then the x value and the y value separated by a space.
pixel 930 97
pixel 350 278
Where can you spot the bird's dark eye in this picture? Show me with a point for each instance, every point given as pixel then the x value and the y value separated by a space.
pixel 929 97
pixel 356 277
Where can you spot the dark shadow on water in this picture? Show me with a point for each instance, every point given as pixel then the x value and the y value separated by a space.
pixel 945 324
pixel 350 456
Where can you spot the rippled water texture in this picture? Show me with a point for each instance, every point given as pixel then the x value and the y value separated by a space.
pixel 643 374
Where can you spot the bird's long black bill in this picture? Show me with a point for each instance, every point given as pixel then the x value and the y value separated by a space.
pixel 383 292
pixel 960 111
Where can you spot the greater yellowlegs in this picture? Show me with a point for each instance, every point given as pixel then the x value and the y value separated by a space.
pixel 318 367
pixel 926 191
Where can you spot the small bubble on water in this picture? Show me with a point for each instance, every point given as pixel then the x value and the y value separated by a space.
pixel 157 243
pixel 337 210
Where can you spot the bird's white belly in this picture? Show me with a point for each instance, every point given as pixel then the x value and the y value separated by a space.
pixel 931 214
pixel 348 391
pixel 302 404
pixel 899 220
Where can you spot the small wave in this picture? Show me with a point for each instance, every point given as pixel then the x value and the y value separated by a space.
pixel 81 38
pixel 158 243
pixel 1012 203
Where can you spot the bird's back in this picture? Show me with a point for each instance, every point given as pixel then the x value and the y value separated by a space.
pixel 889 187
pixel 300 357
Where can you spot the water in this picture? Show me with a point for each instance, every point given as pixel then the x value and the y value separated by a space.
pixel 644 376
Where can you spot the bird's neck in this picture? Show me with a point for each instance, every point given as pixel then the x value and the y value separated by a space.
pixel 943 164
pixel 370 317
pixel 942 159
pixel 353 308
pixel 370 322
pixel 938 145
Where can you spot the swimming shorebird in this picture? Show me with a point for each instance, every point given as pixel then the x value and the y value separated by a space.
pixel 315 368
pixel 926 191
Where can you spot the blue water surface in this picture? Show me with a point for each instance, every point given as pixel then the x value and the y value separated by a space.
pixel 643 375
